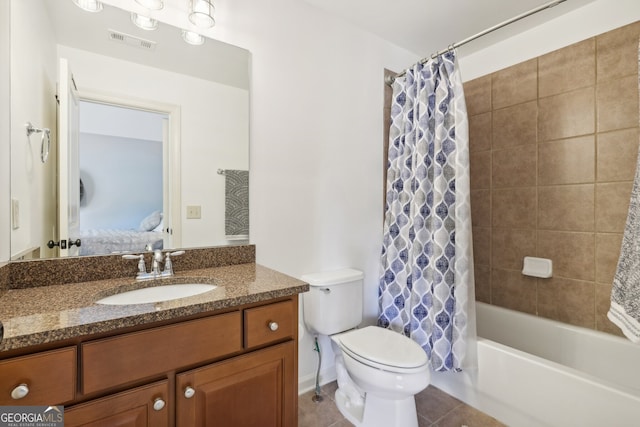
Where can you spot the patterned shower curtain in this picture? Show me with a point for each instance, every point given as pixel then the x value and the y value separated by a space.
pixel 427 283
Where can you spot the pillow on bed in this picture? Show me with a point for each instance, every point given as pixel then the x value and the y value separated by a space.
pixel 151 221
pixel 160 227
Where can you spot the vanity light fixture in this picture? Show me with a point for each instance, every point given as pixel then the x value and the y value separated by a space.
pixel 144 22
pixel 88 5
pixel 201 13
pixel 192 37
pixel 151 4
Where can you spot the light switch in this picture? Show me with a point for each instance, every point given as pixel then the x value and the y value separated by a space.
pixel 193 212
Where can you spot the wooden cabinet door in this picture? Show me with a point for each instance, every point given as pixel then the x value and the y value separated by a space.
pixel 138 407
pixel 256 389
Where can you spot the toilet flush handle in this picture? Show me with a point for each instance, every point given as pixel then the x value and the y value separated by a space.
pixel 325 290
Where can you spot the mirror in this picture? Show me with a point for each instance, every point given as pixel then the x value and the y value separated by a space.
pixel 197 192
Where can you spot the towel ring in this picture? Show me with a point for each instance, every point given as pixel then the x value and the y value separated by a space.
pixel 44 152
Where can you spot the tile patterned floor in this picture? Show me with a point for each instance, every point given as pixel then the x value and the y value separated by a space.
pixel 435 409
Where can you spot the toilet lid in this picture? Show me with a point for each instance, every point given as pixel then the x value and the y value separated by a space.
pixel 379 346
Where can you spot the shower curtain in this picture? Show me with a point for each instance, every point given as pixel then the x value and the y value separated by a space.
pixel 426 285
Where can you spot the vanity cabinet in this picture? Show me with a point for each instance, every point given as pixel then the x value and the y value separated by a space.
pixel 235 368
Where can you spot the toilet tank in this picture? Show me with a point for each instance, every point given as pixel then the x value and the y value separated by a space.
pixel 334 301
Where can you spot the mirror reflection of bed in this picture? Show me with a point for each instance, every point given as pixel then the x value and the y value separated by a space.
pixel 121 170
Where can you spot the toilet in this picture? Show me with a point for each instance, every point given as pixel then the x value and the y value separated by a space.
pixel 379 371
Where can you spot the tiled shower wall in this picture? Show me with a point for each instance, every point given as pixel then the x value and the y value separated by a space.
pixel 553 144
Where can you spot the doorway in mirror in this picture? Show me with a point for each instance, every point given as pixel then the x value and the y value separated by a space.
pixel 121 179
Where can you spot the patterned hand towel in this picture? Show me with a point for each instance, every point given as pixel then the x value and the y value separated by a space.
pixel 236 225
pixel 625 295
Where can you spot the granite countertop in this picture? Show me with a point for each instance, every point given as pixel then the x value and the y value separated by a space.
pixel 46 314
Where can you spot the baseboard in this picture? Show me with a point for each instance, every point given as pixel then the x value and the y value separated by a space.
pixel 308 382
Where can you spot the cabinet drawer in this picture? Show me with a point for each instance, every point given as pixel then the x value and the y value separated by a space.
pixel 142 406
pixel 126 358
pixel 49 377
pixel 269 323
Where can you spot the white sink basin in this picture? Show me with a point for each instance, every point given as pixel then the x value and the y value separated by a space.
pixel 157 294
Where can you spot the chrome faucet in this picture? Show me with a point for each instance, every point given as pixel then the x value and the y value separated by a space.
pixel 156 260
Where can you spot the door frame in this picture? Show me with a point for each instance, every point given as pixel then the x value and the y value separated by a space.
pixel 171 168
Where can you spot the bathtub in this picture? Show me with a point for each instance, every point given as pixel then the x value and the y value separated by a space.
pixel 538 372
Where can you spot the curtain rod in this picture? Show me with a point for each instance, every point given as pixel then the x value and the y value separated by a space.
pixel 483 33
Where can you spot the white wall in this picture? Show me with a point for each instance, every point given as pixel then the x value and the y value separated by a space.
pixel 120 165
pixel 316 144
pixel 33 88
pixel 122 179
pixel 5 132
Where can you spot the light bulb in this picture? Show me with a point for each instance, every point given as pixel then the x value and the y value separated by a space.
pixel 89 5
pixel 192 38
pixel 144 22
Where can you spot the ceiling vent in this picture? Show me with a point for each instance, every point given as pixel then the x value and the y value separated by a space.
pixel 130 40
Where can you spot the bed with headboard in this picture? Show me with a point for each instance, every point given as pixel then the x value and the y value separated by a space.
pixel 148 236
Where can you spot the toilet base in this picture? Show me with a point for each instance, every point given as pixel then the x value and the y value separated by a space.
pixel 378 412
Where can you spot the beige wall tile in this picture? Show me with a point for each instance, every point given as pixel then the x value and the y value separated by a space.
pixel 578 131
pixel 477 95
pixel 566 115
pixel 567 161
pixel 569 301
pixel 603 303
pixel 482 245
pixel 516 125
pixel 618 52
pixel 566 207
pixel 607 252
pixel 566 69
pixel 480 169
pixel 514 167
pixel 617 155
pixel 509 246
pixel 480 208
pixel 612 206
pixel 618 103
pixel 482 278
pixel 480 132
pixel 572 253
pixel 510 289
pixel 515 85
pixel 514 207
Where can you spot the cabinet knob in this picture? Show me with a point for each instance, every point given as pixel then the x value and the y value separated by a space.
pixel 189 392
pixel 19 392
pixel 273 326
pixel 158 404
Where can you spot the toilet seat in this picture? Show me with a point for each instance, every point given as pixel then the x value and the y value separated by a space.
pixel 384 349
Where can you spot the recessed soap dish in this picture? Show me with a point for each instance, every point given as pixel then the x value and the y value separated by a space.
pixel 537 267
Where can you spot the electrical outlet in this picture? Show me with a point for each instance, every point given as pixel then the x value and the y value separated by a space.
pixel 193 212
pixel 15 214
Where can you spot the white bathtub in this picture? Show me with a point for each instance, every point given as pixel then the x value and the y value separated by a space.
pixel 538 372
